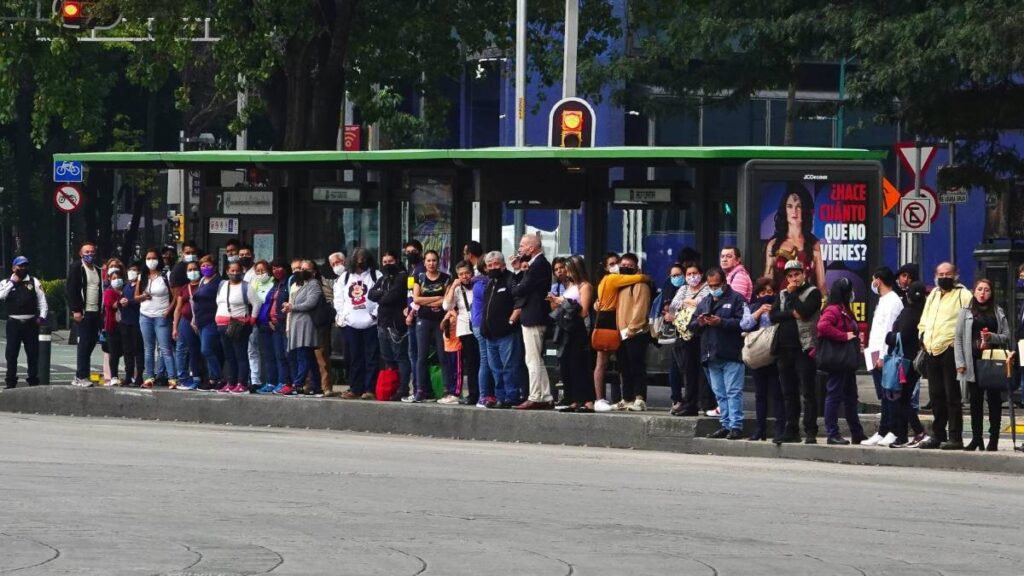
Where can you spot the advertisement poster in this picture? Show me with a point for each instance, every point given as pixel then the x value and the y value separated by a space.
pixel 824 225
pixel 432 216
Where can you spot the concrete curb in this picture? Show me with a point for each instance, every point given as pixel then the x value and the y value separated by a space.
pixel 629 431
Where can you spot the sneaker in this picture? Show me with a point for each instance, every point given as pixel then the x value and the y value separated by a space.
pixel 148 383
pixel 602 405
pixel 313 393
pixel 225 389
pixel 266 389
pixel 481 403
pixel 637 405
pixel 108 383
pixel 916 441
pixel 900 444
pixel 490 402
pixel 713 413
pixel 368 396
pixel 286 390
pixel 929 443
pixel 189 384
pixel 240 389
pixel 277 389
pixel 349 395
pixel 172 384
pixel 888 440
pixel 412 399
pixel 619 406
pixel 448 400
pixel 873 441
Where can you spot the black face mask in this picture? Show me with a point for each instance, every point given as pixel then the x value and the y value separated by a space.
pixel 21 272
pixel 626 270
pixel 236 277
pixel 391 269
pixel 495 273
pixel 245 261
pixel 413 258
pixel 361 265
pixel 946 284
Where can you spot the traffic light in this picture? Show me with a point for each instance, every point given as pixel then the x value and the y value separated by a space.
pixel 571 124
pixel 87 14
pixel 181 228
pixel 176 229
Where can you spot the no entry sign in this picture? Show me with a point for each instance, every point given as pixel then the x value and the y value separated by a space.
pixel 67 198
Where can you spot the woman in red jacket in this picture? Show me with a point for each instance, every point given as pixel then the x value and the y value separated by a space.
pixel 837 323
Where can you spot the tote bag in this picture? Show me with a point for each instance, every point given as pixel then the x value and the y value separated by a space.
pixel 757 347
pixel 895 368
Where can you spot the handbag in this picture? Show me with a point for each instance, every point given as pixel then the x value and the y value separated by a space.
pixel 236 327
pixel 757 347
pixel 832 356
pixel 921 362
pixel 894 368
pixel 605 337
pixel 387 384
pixel 993 370
pixel 323 314
pixel 682 322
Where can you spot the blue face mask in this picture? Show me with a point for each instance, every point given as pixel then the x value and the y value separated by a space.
pixel 1020 284
pixel 87 258
pixel 717 292
pixel 677 281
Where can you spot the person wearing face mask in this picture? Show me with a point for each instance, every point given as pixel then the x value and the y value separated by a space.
pixel 26 309
pixel 84 292
pixel 204 312
pixel 247 259
pixel 458 302
pixel 264 286
pixel 128 327
pixel 766 378
pixel 501 333
pixel 837 324
pixel 981 326
pixel 235 298
pixel 631 321
pixel 905 328
pixel 888 309
pixel 188 351
pixel 273 330
pixel 937 332
pixel 113 345
pixel 230 253
pixel 392 333
pixel 691 388
pixel 303 337
pixel 178 275
pixel 155 312
pixel 413 254
pixel 356 314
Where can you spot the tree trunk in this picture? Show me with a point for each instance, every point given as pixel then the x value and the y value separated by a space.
pixel 24 161
pixel 791 109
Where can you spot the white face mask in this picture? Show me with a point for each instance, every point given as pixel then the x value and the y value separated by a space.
pixel 339 269
pixel 874 288
pixel 193 275
pixel 117 283
pixel 261 278
pixel 190 258
pixel 133 275
pixel 152 264
pixel 613 269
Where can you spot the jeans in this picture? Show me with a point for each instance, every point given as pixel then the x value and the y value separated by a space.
pixel 484 377
pixel 944 390
pixel 304 364
pixel 281 357
pixel 236 355
pixel 505 359
pixel 186 350
pixel 413 355
pixel 269 366
pixel 131 348
pixel 88 336
pixel 766 383
pixel 24 332
pixel 157 332
pixel 362 350
pixel 253 355
pixel 727 382
pixel 428 333
pixel 885 424
pixel 842 389
pixel 533 346
pixel 395 355
pixel 213 352
pixel 798 377
pixel 632 357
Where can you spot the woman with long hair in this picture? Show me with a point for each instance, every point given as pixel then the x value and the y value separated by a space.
pixel 357 317
pixel 905 328
pixel 428 294
pixel 204 312
pixel 837 324
pixel 794 239
pixel 981 326
pixel 692 387
pixel 574 360
pixel 186 333
pixel 154 296
pixel 234 324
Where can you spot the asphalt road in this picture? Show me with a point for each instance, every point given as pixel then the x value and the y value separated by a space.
pixel 94 496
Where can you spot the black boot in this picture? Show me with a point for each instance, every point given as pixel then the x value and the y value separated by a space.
pixel 975 444
pixel 993 442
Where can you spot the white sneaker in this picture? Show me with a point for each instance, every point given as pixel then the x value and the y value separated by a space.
pixel 889 439
pixel 873 441
pixel 638 405
pixel 602 405
pixel 480 403
pixel 449 399
pixel 114 382
pixel 714 413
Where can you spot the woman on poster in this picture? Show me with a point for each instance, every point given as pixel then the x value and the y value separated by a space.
pixel 794 239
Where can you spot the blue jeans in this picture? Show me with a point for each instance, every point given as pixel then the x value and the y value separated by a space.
pixel 362 347
pixel 885 424
pixel 413 352
pixel 842 389
pixel 727 383
pixel 395 355
pixel 186 350
pixel 236 355
pixel 269 366
pixel 484 376
pixel 505 356
pixel 303 363
pixel 281 357
pixel 157 331
pixel 213 352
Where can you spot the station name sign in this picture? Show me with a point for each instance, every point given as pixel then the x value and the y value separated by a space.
pixel 662 195
pixel 329 194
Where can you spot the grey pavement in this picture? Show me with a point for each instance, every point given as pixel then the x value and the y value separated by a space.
pixel 95 496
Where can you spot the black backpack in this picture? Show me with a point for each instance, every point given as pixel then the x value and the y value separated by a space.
pixel 323 314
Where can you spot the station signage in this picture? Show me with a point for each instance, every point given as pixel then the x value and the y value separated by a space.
pixel 331 194
pixel 223 225
pixel 248 202
pixel 635 195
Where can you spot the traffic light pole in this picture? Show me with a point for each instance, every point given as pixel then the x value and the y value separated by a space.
pixel 520 73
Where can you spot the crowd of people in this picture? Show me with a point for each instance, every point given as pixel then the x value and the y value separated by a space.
pixel 413 333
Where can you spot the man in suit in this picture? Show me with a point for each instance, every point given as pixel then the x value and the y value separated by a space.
pixel 534 317
pixel 84 291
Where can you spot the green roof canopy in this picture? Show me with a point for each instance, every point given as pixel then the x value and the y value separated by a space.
pixel 613 155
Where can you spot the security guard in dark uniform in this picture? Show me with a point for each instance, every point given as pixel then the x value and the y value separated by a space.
pixel 26 308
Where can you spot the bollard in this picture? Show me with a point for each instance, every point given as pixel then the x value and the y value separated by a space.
pixel 45 339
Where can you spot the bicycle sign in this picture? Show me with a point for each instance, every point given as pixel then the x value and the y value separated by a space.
pixel 65 171
pixel 67 198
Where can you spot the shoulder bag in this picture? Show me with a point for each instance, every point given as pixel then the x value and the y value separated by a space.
pixel 993 371
pixel 894 368
pixel 757 347
pixel 605 337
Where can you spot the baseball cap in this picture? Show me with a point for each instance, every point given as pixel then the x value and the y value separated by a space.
pixel 794 265
pixel 20 261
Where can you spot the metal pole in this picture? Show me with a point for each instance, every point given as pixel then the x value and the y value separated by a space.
pixel 572 21
pixel 952 216
pixel 241 102
pixel 841 115
pixel 520 73
pixel 917 194
pixel 67 259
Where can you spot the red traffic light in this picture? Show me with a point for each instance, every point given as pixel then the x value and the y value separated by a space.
pixel 71 11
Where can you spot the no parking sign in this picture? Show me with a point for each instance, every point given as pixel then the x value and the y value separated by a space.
pixel 67 198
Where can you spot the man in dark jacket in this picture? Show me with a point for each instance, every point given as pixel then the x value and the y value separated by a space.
pixel 796 312
pixel 26 309
pixel 717 321
pixel 535 311
pixel 392 333
pixel 501 332
pixel 84 292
